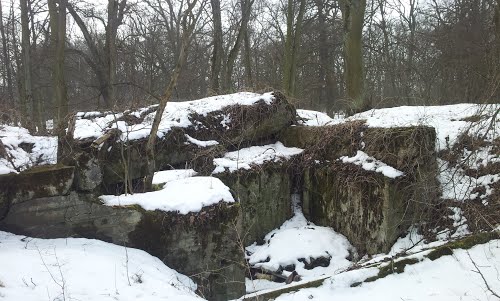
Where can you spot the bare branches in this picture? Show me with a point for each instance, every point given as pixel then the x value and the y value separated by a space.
pixel 482 276
pixel 59 282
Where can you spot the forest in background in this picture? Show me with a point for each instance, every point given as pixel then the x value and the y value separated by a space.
pixel 60 56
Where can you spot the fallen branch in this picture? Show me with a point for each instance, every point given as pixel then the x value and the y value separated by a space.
pixel 108 135
pixel 482 276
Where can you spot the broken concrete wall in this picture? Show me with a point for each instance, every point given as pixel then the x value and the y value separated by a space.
pixel 264 194
pixel 371 210
pixel 103 162
pixel 37 182
pixel 203 245
pixel 367 207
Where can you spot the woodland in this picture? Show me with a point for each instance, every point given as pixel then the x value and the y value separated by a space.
pixel 61 56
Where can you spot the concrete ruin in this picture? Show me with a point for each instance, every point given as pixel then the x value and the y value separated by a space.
pixel 370 209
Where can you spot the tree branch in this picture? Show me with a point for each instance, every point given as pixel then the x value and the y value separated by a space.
pixel 482 276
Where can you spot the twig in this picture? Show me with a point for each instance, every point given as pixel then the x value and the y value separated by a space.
pixel 482 276
pixel 126 266
pixel 62 286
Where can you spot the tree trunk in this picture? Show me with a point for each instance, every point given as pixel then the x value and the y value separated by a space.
pixel 7 63
pixel 58 38
pixel 411 49
pixel 26 82
pixel 218 50
pixel 495 76
pixel 389 84
pixel 37 116
pixel 115 17
pixel 181 60
pixel 353 13
pixel 103 61
pixel 17 59
pixel 292 44
pixel 496 59
pixel 248 61
pixel 324 73
pixel 246 7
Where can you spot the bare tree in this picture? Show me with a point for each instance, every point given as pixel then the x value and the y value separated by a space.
pixel 58 39
pixel 102 60
pixel 189 20
pixel 6 60
pixel 217 53
pixel 353 14
pixel 246 7
pixel 26 87
pixel 294 23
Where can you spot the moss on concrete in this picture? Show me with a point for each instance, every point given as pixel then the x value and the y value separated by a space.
pixel 288 289
pixel 371 210
pixel 264 194
pixel 394 267
pixel 463 243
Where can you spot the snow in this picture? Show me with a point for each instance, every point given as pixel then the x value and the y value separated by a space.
pixel 456 185
pixel 44 149
pixel 459 223
pixel 186 195
pixel 200 143
pixel 372 164
pixel 164 176
pixel 93 128
pixel 297 238
pixel 176 114
pixel 254 155
pixel 314 118
pixel 447 278
pixel 85 269
pixel 447 120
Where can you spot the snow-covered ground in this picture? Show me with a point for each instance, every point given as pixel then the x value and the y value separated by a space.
pixel 457 277
pixel 85 269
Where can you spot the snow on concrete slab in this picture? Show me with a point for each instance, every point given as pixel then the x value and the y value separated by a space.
pixel 448 278
pixel 245 158
pixel 201 143
pixel 44 149
pixel 299 239
pixel 176 114
pixel 372 164
pixel 183 195
pixel 164 176
pixel 85 269
pixel 449 121
pixel 315 118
